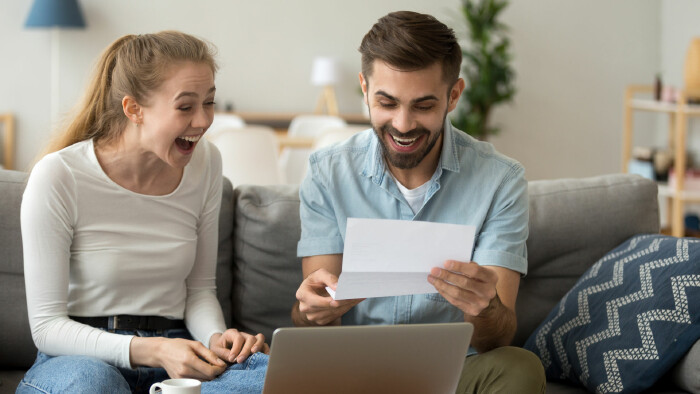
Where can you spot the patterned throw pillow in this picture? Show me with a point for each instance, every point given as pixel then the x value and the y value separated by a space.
pixel 628 319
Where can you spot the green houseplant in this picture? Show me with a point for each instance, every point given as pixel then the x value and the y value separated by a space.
pixel 485 67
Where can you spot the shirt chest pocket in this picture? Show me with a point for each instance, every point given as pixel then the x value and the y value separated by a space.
pixel 434 308
pixel 435 297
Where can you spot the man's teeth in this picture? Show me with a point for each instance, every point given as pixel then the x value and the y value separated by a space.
pixel 193 138
pixel 404 141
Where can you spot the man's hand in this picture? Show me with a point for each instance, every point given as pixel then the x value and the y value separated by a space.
pixel 468 286
pixel 315 306
pixel 486 295
pixel 235 346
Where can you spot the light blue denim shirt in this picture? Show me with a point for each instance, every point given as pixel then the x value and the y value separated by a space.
pixel 473 184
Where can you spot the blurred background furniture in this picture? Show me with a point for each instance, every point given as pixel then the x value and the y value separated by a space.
pixel 678 113
pixel 224 121
pixel 294 160
pixel 7 131
pixel 297 135
pixel 332 135
pixel 249 154
pixel 280 121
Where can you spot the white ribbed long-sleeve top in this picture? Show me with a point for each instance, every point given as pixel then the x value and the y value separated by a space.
pixel 94 248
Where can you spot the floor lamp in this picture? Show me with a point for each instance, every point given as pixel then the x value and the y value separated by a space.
pixel 325 72
pixel 55 14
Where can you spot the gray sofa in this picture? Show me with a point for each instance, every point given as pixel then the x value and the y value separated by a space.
pixel 573 222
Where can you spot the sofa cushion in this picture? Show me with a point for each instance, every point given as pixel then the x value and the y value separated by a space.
pixel 573 223
pixel 9 380
pixel 628 319
pixel 266 270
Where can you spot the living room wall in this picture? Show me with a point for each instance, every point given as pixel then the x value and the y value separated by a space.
pixel 572 58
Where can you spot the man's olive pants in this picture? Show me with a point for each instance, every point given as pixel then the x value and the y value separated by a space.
pixel 502 370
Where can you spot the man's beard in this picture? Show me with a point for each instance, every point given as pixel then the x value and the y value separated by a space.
pixel 406 161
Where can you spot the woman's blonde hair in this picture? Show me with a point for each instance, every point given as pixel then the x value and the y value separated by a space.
pixel 133 65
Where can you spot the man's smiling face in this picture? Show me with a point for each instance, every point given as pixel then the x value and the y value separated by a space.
pixel 407 111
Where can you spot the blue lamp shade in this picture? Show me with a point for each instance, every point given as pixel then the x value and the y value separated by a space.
pixel 59 13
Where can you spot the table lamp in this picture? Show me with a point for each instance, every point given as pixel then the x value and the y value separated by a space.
pixel 55 14
pixel 325 72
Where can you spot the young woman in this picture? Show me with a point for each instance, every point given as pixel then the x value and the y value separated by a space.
pixel 119 228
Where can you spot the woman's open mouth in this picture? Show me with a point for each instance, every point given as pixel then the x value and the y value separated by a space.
pixel 187 143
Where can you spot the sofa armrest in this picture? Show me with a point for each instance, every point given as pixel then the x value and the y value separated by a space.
pixel 18 350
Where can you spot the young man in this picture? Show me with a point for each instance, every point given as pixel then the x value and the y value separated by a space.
pixel 414 166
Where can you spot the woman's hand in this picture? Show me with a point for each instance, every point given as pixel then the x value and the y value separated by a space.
pixel 181 358
pixel 235 346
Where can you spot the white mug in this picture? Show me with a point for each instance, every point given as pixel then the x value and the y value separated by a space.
pixel 177 386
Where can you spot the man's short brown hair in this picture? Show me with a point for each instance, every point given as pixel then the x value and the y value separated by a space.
pixel 411 41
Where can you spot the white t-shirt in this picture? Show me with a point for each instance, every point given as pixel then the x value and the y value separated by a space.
pixel 94 248
pixel 414 197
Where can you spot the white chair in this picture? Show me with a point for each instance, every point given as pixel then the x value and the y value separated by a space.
pixel 222 122
pixel 250 155
pixel 337 134
pixel 294 161
pixel 313 125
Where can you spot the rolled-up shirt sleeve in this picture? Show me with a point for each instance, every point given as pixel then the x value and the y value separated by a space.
pixel 319 225
pixel 503 236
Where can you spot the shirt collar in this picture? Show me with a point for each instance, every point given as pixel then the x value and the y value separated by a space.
pixel 449 157
pixel 375 167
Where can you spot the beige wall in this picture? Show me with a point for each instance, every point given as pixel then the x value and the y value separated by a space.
pixel 573 59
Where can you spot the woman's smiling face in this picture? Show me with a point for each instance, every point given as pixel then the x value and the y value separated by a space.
pixel 178 113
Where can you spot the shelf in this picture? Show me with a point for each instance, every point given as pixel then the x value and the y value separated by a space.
pixel 685 195
pixel 678 115
pixel 661 106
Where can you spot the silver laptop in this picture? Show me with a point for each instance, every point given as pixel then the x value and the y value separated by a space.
pixel 411 358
